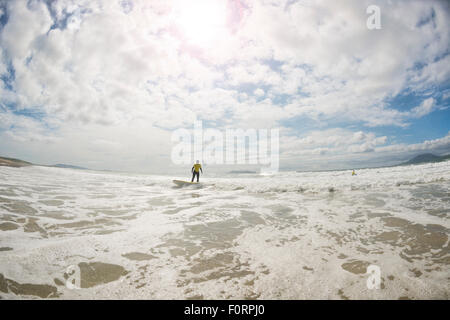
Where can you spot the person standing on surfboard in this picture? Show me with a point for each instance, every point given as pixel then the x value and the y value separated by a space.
pixel 196 170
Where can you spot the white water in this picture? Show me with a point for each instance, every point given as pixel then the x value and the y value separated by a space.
pixel 287 236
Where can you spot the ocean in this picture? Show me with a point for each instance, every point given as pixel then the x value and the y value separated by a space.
pixel 77 234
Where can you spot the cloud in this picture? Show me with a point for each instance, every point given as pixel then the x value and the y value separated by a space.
pixel 18 38
pixel 424 108
pixel 441 145
pixel 103 144
pixel 259 92
pixel 331 141
pixel 345 149
pixel 112 62
pixel 22 128
pixel 96 66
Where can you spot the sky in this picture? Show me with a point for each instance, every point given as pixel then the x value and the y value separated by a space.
pixel 104 84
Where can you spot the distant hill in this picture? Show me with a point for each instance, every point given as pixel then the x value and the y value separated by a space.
pixel 17 163
pixel 68 166
pixel 426 157
pixel 11 162
pixel 242 172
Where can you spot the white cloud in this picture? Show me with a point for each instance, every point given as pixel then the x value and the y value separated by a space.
pixel 117 65
pixel 259 92
pixel 2 63
pixel 21 129
pixel 438 145
pixel 112 57
pixel 345 148
pixel 17 37
pixel 331 141
pixel 425 108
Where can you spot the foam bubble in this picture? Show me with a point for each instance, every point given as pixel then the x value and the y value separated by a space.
pixel 289 235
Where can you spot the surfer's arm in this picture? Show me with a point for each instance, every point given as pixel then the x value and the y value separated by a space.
pixel 192 170
pixel 201 170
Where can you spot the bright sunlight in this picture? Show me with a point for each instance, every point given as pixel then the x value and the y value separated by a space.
pixel 201 22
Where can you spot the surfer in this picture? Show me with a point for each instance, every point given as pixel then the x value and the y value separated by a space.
pixel 196 170
pixel 353 173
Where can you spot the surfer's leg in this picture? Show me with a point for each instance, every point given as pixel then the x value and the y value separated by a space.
pixel 193 176
pixel 198 175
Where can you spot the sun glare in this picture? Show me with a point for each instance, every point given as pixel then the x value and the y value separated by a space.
pixel 202 22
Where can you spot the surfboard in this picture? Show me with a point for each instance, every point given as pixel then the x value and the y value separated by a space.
pixel 182 183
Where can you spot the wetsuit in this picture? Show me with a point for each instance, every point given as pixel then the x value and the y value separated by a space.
pixel 196 171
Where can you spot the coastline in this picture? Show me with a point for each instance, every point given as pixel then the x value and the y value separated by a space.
pixel 15 163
